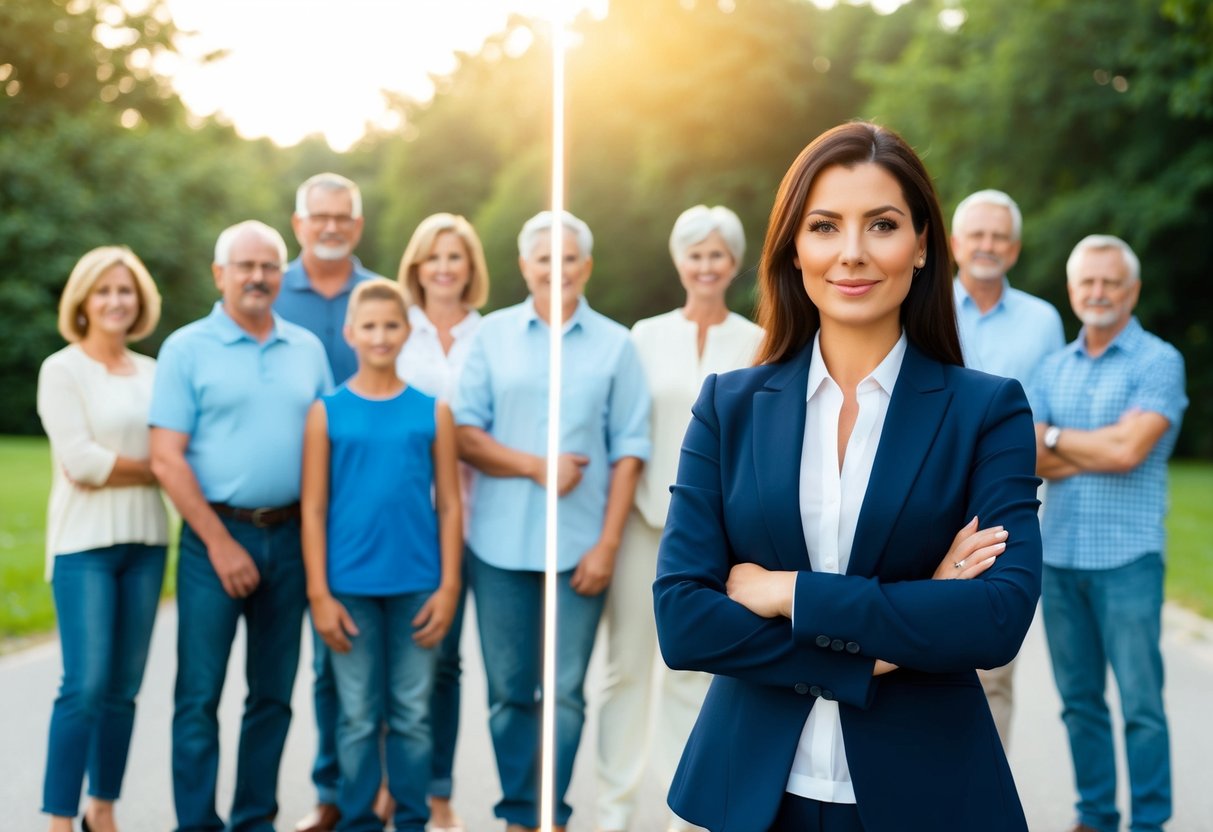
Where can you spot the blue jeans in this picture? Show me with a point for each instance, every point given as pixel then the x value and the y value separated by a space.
pixel 384 657
pixel 207 618
pixel 326 772
pixel 509 610
pixel 445 701
pixel 106 602
pixel 1094 618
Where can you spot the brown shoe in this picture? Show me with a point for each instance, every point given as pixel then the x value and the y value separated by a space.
pixel 323 818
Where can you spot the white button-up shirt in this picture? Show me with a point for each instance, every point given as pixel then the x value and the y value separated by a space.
pixel 424 364
pixel 829 512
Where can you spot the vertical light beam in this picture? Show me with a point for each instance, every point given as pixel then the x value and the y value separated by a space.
pixel 547 750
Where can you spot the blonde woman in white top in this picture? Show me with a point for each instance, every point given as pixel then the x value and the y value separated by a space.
pixel 446 280
pixel 106 528
pixel 678 350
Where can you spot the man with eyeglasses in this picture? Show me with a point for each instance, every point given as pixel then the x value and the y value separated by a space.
pixel 317 284
pixel 316 291
pixel 230 399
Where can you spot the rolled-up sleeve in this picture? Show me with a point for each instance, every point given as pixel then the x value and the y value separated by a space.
pixel 473 402
pixel 628 413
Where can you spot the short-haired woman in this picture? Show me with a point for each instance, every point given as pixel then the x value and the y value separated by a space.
pixel 106 528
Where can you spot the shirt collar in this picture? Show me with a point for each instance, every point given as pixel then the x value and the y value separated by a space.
pixel 230 332
pixel 963 298
pixel 530 316
pixel 420 322
pixel 1127 340
pixel 295 278
pixel 884 376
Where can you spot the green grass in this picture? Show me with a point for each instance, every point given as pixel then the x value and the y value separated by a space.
pixel 26 608
pixel 25 598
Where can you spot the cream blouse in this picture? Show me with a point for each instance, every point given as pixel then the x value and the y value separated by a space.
pixel 92 417
pixel 669 350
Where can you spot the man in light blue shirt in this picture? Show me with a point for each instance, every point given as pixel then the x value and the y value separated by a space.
pixel 315 294
pixel 1108 412
pixel 228 408
pixel 501 409
pixel 1003 331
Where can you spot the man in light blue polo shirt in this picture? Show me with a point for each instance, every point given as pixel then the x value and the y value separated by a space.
pixel 1003 331
pixel 1108 412
pixel 315 294
pixel 316 286
pixel 228 408
pixel 501 410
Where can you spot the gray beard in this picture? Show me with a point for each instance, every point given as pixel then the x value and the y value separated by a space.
pixel 323 252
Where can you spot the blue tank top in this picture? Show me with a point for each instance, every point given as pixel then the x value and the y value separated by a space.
pixel 382 525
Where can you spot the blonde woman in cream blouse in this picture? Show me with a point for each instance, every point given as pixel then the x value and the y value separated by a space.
pixel 106 528
pixel 446 280
pixel 678 350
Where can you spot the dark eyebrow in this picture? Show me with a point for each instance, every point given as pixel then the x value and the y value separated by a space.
pixel 835 216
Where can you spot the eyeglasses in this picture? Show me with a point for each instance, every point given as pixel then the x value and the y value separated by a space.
pixel 341 220
pixel 247 267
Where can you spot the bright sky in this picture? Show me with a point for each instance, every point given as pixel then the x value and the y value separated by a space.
pixel 297 67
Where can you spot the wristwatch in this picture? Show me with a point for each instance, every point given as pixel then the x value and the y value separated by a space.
pixel 1052 434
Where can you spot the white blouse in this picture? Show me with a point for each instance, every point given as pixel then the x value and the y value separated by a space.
pixel 829 512
pixel 92 417
pixel 424 364
pixel 669 351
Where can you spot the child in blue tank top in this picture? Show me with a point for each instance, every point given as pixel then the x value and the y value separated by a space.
pixel 382 542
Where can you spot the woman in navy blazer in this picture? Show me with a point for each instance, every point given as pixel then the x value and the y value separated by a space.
pixel 855 283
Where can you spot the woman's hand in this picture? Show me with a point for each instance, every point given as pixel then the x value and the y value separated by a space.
pixel 333 623
pixel 972 552
pixel 761 591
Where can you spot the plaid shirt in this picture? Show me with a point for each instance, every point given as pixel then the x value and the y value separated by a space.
pixel 1096 520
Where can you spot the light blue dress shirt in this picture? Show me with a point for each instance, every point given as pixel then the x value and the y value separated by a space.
pixel 1012 338
pixel 243 404
pixel 1096 520
pixel 324 317
pixel 604 414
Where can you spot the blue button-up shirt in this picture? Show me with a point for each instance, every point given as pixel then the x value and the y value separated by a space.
pixel 243 404
pixel 1098 520
pixel 324 317
pixel 1012 338
pixel 604 414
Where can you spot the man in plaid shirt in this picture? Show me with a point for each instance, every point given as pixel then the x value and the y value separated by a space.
pixel 1109 407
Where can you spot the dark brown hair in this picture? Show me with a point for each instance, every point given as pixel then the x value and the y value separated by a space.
pixel 784 309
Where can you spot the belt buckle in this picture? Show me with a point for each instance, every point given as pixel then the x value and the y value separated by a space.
pixel 258 517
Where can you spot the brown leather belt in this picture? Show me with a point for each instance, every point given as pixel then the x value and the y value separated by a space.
pixel 259 517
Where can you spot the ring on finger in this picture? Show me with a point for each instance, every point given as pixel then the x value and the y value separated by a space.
pixel 960 564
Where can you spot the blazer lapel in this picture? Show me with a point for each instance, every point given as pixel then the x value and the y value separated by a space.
pixel 916 410
pixel 779 416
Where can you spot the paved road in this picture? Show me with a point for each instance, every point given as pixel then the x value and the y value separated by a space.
pixel 1039 757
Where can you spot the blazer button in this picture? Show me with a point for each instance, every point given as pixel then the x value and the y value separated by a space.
pixel 836 645
pixel 801 688
pixel 823 641
pixel 827 695
pixel 815 690
pixel 852 647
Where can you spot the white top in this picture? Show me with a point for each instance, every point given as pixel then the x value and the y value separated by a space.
pixel 669 351
pixel 92 417
pixel 829 511
pixel 422 362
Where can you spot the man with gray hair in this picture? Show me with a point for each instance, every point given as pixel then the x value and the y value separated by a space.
pixel 501 412
pixel 1108 409
pixel 1003 331
pixel 231 395
pixel 316 286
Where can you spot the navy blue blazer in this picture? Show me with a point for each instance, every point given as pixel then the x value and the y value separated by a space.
pixel 920 742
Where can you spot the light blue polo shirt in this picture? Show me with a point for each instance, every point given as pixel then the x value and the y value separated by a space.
pixel 324 317
pixel 604 414
pixel 243 404
pixel 1013 338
